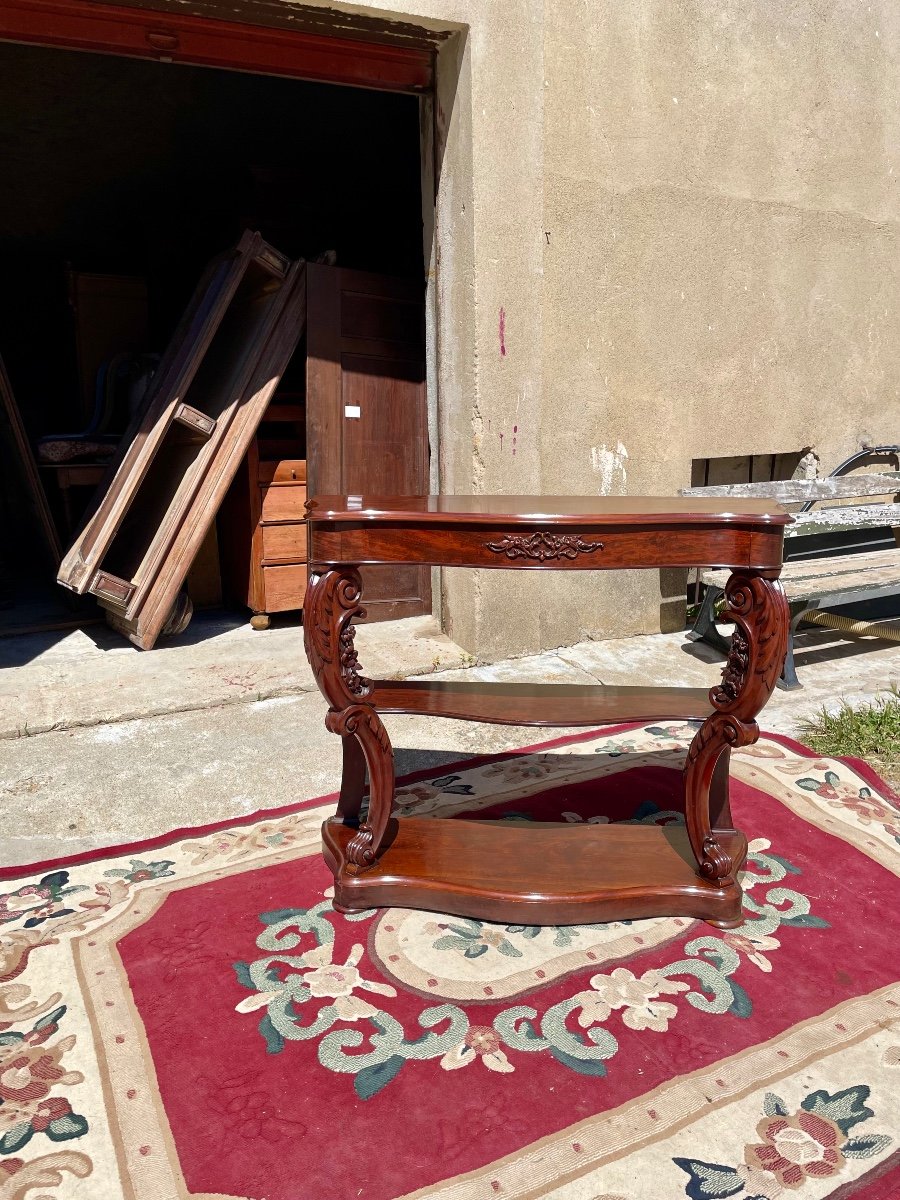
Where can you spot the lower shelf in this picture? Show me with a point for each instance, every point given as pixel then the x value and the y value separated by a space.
pixel 539 703
pixel 540 874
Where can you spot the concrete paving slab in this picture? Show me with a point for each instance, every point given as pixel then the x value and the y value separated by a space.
pixel 66 791
pixel 93 676
pixel 549 667
pixel 834 671
pixel 665 659
pixel 232 747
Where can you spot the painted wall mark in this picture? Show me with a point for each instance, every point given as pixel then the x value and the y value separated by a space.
pixel 502 331
pixel 610 466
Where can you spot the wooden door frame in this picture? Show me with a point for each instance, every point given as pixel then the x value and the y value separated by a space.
pixel 162 36
pixel 377 61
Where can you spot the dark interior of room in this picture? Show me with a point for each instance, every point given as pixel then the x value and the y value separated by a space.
pixel 146 170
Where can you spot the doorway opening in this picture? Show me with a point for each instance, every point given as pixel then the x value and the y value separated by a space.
pixel 123 178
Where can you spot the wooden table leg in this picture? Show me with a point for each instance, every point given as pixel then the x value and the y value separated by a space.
pixel 353 781
pixel 758 608
pixel 332 603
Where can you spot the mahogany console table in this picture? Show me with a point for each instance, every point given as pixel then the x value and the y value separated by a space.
pixel 543 873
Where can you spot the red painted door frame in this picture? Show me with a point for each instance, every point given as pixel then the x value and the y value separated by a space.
pixel 171 37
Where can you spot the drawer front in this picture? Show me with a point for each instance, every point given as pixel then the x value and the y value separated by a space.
pixel 285 470
pixel 284 543
pixel 284 502
pixel 284 587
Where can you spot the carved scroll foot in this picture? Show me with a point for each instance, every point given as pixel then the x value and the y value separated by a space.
pixel 362 723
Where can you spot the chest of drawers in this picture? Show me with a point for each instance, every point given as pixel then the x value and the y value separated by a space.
pixel 263 535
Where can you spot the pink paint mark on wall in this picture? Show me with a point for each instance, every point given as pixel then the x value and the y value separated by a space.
pixel 502 330
pixel 515 432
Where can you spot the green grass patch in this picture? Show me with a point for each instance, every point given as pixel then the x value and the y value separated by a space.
pixel 870 732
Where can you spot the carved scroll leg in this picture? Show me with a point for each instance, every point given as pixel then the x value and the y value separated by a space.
pixel 332 604
pixel 758 608
pixel 362 723
pixel 353 781
pixel 706 805
pixel 719 794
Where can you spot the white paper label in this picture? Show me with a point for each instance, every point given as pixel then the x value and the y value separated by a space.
pixel 351 410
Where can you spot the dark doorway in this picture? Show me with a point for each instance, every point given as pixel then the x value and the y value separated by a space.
pixel 135 174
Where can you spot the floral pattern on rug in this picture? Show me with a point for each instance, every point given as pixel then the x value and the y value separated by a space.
pixel 307 995
pixel 31 1069
pixel 792 1148
pixel 861 801
pixel 339 1003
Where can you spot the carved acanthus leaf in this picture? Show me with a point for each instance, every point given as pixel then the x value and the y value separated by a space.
pixel 543 546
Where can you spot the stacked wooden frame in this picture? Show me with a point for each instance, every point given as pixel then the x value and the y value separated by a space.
pixel 210 392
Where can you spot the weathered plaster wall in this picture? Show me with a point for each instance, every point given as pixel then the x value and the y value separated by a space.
pixel 664 231
pixel 486 260
pixel 722 272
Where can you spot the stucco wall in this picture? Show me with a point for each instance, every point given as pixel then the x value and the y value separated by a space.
pixel 722 274
pixel 664 231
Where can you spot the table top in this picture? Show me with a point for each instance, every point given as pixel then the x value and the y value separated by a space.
pixel 549 510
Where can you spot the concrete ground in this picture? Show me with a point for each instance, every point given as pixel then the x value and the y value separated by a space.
pixel 103 744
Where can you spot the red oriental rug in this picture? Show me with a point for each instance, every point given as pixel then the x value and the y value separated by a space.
pixel 190 1018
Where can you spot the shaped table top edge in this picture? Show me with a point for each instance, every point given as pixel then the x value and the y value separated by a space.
pixel 546 510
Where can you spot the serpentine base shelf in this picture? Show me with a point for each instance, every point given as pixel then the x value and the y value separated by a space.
pixel 543 873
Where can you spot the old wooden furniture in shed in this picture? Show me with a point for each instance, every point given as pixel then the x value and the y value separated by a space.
pixel 211 389
pixel 367 417
pixel 357 423
pixel 542 874
pixel 263 518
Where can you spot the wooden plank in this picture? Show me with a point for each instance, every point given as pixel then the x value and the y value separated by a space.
pixel 730 472
pixel 857 516
pixel 841 573
pixel 33 486
pixel 797 491
pixel 324 415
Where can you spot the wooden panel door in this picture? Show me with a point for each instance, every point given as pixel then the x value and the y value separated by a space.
pixel 367 419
